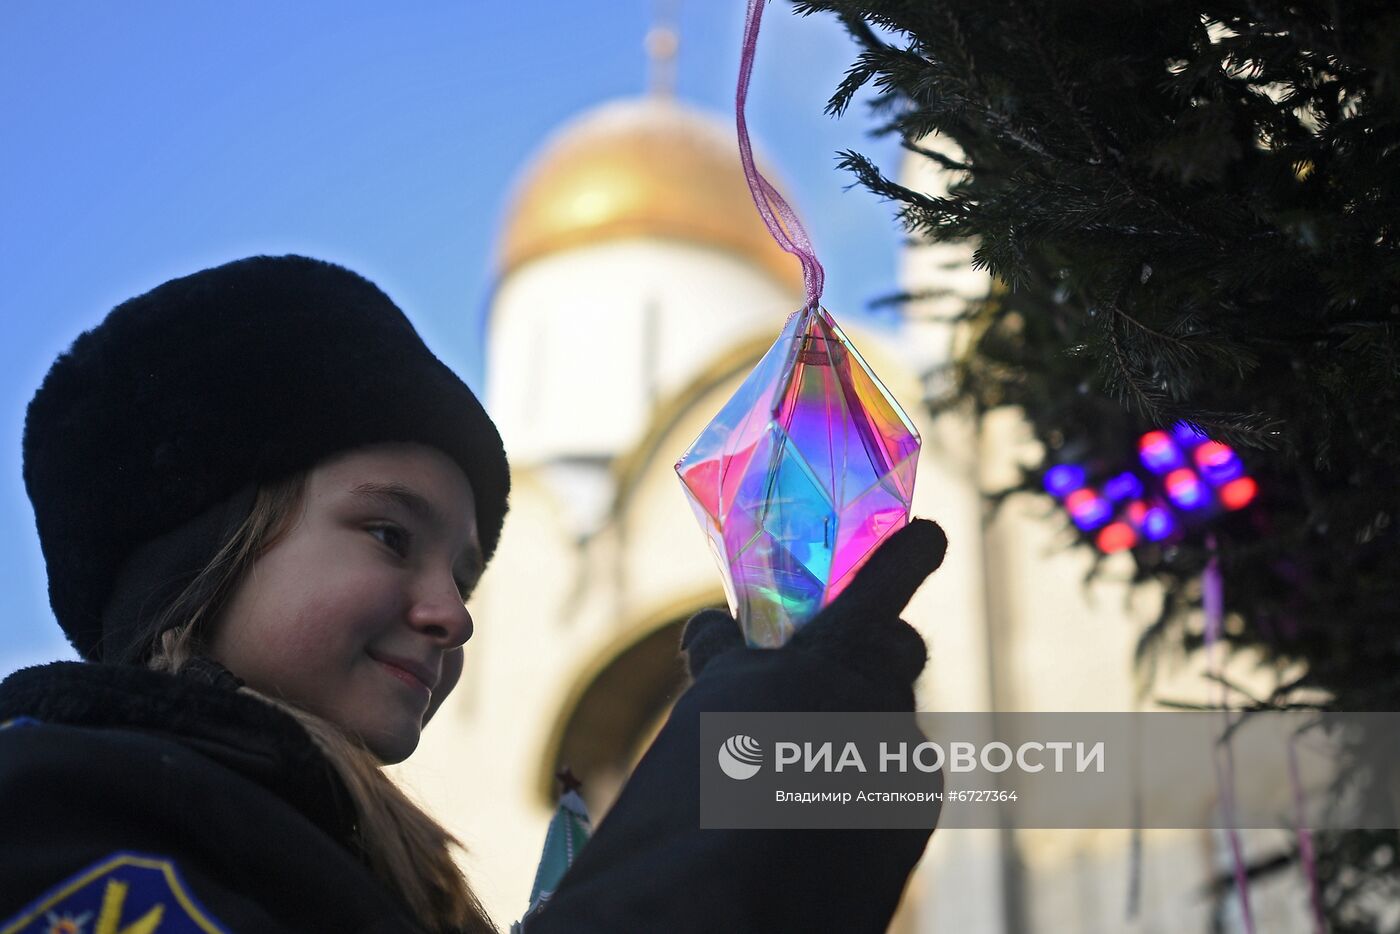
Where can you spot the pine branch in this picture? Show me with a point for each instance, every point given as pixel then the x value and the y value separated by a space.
pixel 1197 203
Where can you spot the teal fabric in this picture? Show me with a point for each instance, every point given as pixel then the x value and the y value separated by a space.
pixel 569 830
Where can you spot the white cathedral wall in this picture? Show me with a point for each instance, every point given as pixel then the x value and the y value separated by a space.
pixel 583 342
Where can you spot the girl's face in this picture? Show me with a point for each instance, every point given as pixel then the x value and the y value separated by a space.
pixel 356 613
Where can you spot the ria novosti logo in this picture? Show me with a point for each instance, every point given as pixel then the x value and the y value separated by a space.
pixel 740 757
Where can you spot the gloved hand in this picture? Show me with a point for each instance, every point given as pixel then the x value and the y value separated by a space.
pixel 650 869
pixel 860 630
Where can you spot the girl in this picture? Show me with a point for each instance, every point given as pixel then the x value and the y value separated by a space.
pixel 263 504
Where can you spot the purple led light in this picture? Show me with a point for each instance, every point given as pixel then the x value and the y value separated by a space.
pixel 1093 517
pixel 1186 489
pixel 1218 463
pixel 1158 453
pixel 1223 474
pixel 1188 437
pixel 1087 509
pixel 1157 524
pixel 1063 479
pixel 1124 486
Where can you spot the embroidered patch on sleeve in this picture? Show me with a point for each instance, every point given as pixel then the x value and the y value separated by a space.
pixel 125 893
pixel 17 722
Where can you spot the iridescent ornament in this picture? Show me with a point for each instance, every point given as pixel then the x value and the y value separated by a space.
pixel 801 475
pixel 811 464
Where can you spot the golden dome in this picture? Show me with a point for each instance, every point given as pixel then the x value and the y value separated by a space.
pixel 641 167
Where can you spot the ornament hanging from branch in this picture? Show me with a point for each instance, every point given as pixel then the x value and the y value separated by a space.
pixel 810 465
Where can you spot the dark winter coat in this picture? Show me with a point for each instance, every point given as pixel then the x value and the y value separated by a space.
pixel 218 807
pixel 208 802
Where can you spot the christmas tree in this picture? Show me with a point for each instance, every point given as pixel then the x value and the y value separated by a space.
pixel 1190 212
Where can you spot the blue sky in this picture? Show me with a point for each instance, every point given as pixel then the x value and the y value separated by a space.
pixel 146 140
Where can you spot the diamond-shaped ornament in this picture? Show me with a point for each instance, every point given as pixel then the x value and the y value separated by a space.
pixel 804 471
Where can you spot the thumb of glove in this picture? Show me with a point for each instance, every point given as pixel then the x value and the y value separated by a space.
pixel 708 634
pixel 861 628
pixel 885 584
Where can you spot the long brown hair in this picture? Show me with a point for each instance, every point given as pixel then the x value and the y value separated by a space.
pixel 407 850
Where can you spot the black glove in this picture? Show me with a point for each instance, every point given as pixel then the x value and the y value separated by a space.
pixel 859 630
pixel 650 868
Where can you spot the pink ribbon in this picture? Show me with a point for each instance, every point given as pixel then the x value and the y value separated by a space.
pixel 1213 602
pixel 1306 855
pixel 781 219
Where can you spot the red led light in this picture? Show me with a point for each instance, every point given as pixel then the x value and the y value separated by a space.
pixel 1185 489
pixel 1180 480
pixel 1137 511
pixel 1116 537
pixel 1238 494
pixel 1080 498
pixel 1157 452
pixel 1213 454
pixel 1154 441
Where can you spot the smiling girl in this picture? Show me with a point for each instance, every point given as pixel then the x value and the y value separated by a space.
pixel 263 504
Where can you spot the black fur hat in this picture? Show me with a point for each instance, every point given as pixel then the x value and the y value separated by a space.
pixel 186 395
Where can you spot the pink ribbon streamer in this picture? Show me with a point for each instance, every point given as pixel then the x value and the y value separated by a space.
pixel 1306 855
pixel 1213 601
pixel 777 214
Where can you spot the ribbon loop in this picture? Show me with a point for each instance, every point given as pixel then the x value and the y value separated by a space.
pixel 777 214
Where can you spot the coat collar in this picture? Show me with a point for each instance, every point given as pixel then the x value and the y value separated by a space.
pixel 200 708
